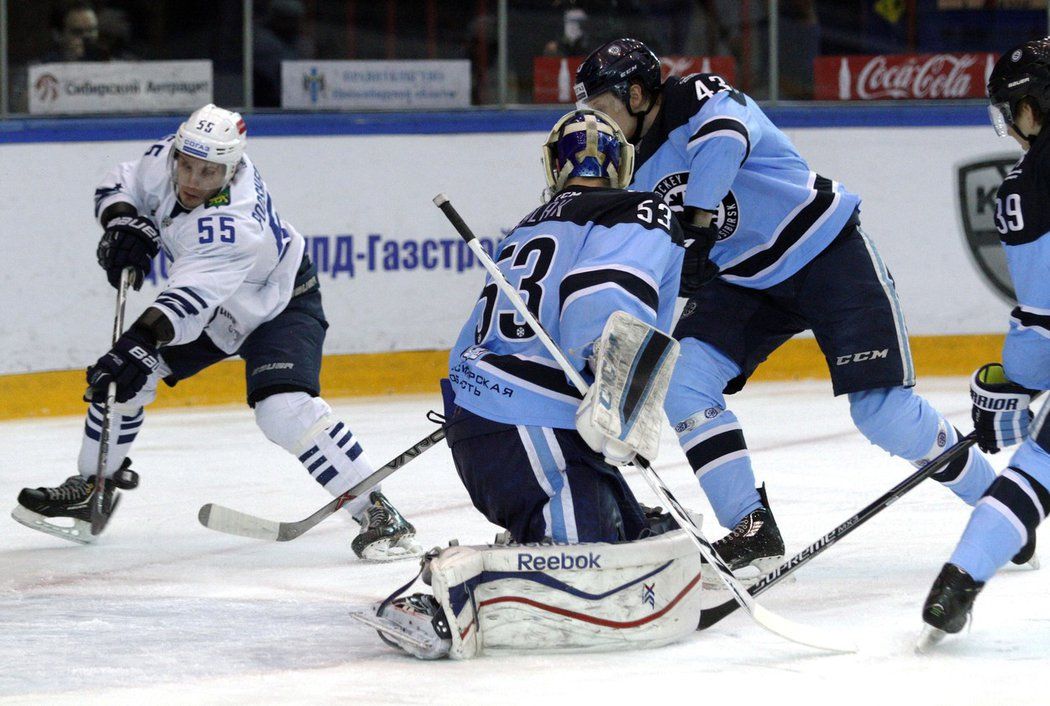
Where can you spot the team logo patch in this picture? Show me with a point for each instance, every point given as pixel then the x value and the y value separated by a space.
pixel 978 182
pixel 220 199
pixel 672 190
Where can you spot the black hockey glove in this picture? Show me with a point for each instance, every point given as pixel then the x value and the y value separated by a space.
pixel 697 268
pixel 129 241
pixel 129 364
pixel 1000 408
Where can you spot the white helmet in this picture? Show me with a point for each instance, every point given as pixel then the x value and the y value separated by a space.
pixel 214 134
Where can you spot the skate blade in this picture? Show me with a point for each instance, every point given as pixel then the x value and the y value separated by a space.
pixel 384 550
pixel 748 575
pixel 929 638
pixel 79 532
pixel 367 616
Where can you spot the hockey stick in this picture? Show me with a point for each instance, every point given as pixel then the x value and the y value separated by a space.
pixel 710 616
pixel 223 519
pixel 99 512
pixel 767 619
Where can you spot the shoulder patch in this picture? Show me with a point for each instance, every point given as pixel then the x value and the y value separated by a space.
pixel 220 199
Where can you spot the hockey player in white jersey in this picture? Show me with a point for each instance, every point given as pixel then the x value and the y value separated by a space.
pixel 1002 525
pixel 240 283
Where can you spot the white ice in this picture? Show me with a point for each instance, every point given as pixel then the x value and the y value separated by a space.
pixel 161 610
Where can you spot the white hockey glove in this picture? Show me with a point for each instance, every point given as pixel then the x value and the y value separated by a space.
pixel 616 452
pixel 1000 408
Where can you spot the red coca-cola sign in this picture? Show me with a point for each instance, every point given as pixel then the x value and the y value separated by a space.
pixel 553 76
pixel 902 76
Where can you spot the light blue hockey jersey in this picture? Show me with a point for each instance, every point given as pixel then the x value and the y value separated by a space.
pixel 711 147
pixel 577 259
pixel 1022 217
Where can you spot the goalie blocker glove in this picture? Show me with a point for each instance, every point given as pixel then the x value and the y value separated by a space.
pixel 129 241
pixel 1000 408
pixel 129 364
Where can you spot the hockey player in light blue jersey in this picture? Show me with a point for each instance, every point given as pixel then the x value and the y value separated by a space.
pixel 1002 525
pixel 788 255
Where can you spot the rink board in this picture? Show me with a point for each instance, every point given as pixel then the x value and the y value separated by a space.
pixel 396 282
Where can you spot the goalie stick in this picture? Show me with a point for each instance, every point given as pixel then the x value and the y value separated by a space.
pixel 771 621
pixel 223 519
pixel 710 616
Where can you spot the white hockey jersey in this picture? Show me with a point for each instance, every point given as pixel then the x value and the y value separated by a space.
pixel 233 260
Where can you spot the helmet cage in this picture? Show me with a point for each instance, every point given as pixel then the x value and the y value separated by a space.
pixel 587 143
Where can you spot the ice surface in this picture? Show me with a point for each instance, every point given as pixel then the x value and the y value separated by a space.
pixel 161 610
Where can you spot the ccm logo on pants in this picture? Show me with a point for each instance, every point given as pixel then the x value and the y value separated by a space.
pixel 861 357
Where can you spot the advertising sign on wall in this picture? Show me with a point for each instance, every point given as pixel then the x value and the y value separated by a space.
pixel 119 87
pixel 902 76
pixel 309 85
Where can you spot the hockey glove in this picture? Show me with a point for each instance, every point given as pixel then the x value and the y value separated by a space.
pixel 697 268
pixel 616 452
pixel 1000 408
pixel 129 241
pixel 129 364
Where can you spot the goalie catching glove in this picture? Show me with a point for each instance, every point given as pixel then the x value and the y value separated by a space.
pixel 622 413
pixel 1000 408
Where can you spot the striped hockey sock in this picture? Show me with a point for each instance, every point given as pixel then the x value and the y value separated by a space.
pixel 337 461
pixel 122 435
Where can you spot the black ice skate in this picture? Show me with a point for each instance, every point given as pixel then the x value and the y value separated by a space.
pixel 755 541
pixel 948 606
pixel 1027 555
pixel 70 504
pixel 385 535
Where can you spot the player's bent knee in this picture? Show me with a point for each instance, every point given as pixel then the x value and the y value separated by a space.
pixel 876 413
pixel 291 419
pixel 585 597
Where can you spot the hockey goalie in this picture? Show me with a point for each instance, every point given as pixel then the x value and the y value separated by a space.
pixel 586 567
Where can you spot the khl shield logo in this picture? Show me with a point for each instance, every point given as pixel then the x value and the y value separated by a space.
pixel 314 84
pixel 978 182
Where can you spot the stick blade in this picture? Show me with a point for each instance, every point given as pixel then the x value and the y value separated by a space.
pixel 802 634
pixel 223 519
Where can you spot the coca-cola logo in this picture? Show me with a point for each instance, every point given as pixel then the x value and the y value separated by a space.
pixel 937 76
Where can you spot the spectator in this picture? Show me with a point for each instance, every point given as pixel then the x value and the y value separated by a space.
pixel 574 40
pixel 276 40
pixel 74 31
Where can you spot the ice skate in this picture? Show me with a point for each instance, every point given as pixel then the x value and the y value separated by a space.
pixel 948 606
pixel 385 535
pixel 414 624
pixel 65 510
pixel 1027 555
pixel 754 546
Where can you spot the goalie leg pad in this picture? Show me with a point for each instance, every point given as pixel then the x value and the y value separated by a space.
pixel 584 597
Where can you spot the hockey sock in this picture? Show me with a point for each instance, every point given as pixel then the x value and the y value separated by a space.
pixel 1003 522
pixel 719 457
pixel 305 426
pixel 904 424
pixel 122 434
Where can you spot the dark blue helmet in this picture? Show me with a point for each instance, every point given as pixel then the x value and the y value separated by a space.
pixel 613 66
pixel 587 143
pixel 1022 72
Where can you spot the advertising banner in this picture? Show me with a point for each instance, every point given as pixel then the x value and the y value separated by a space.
pixel 553 76
pixel 370 85
pixel 119 87
pixel 902 76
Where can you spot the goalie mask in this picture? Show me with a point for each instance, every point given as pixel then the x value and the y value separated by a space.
pixel 587 143
pixel 215 135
